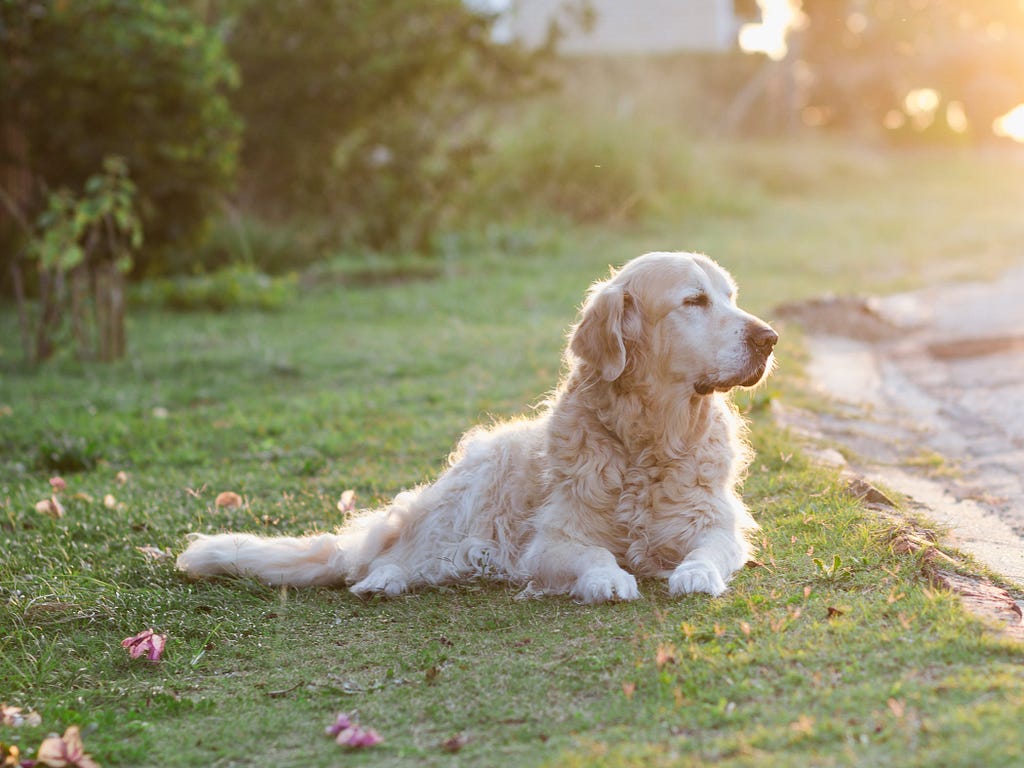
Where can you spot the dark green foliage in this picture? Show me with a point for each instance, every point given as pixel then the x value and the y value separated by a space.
pixel 273 247
pixel 367 111
pixel 143 79
pixel 65 452
pixel 228 288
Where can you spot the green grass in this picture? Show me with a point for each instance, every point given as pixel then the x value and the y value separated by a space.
pixel 809 660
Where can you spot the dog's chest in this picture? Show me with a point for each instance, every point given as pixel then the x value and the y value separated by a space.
pixel 664 507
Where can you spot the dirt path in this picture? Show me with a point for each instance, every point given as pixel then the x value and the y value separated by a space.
pixel 927 393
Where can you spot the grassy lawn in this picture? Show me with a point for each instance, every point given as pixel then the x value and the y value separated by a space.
pixel 836 650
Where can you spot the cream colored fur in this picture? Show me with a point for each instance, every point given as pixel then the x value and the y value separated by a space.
pixel 630 469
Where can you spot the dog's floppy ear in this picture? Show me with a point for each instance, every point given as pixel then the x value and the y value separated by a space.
pixel 597 338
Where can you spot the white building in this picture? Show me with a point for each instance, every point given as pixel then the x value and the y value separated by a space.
pixel 627 26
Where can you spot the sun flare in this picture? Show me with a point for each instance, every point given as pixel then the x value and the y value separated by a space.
pixel 778 17
pixel 1011 125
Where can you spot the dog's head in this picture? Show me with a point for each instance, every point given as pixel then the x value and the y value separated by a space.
pixel 672 317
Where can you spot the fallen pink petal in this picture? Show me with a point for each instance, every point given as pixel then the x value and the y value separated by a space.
pixel 347 733
pixel 147 643
pixel 58 484
pixel 340 724
pixel 357 737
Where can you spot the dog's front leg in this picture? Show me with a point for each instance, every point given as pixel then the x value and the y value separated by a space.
pixel 558 563
pixel 719 553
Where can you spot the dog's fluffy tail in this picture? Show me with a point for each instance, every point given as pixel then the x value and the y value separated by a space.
pixel 299 562
pixel 320 559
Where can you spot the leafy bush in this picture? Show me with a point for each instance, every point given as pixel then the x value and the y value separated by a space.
pixel 66 452
pixel 234 287
pixel 272 247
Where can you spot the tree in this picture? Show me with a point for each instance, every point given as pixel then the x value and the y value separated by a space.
pixel 81 251
pixel 367 112
pixel 142 79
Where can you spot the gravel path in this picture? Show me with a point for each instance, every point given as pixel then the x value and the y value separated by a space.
pixel 927 398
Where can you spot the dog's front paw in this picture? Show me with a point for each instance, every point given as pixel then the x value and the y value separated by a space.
pixel 599 585
pixel 696 576
pixel 389 580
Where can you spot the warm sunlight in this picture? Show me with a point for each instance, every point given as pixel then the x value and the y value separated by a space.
pixel 778 17
pixel 920 104
pixel 1011 125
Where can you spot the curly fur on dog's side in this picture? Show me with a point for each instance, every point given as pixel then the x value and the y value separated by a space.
pixel 630 468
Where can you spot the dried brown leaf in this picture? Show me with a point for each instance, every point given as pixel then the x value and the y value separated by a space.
pixel 455 743
pixel 50 507
pixel 228 499
pixel 347 502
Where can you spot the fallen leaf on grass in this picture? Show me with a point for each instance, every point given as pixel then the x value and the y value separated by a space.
pixel 50 507
pixel 14 717
pixel 897 707
pixel 228 499
pixel 803 724
pixel 666 654
pixel 109 501
pixel 629 688
pixel 348 733
pixel 10 756
pixel 65 751
pixel 833 612
pixel 58 484
pixel 153 553
pixel 121 478
pixel 147 643
pixel 455 743
pixel 347 502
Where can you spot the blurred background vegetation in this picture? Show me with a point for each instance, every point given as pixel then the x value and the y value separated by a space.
pixel 267 141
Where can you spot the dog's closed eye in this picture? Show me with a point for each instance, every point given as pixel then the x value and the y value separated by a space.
pixel 697 300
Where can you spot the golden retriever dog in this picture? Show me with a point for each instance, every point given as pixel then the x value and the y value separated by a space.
pixel 630 468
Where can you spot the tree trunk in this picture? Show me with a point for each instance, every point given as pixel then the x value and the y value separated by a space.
pixel 101 309
pixel 24 321
pixel 51 289
pixel 109 309
pixel 79 312
pixel 117 302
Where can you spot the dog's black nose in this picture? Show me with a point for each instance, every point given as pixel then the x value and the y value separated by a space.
pixel 762 337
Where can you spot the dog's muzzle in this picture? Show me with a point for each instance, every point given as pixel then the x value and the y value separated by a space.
pixel 760 340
